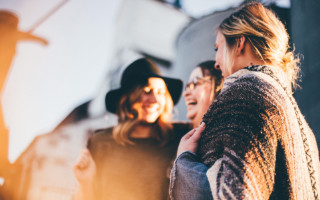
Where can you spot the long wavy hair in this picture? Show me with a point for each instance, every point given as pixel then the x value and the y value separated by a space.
pixel 128 118
pixel 267 36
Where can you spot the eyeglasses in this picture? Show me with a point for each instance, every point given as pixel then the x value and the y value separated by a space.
pixel 197 81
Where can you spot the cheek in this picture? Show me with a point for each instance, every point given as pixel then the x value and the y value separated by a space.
pixel 196 93
pixel 219 58
pixel 220 62
pixel 143 98
pixel 204 96
pixel 162 101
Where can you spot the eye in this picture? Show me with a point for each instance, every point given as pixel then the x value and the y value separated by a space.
pixel 147 90
pixel 187 86
pixel 195 81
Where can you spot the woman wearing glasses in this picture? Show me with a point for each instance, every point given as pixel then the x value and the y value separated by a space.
pixel 204 85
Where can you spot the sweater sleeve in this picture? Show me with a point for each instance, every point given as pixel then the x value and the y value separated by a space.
pixel 239 143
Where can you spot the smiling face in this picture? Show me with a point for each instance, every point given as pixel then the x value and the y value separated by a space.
pixel 152 101
pixel 198 97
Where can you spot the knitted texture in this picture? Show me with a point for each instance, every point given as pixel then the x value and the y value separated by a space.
pixel 256 141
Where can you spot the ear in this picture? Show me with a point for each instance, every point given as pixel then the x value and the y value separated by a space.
pixel 241 42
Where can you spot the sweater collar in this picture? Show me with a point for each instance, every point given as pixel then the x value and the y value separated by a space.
pixel 274 72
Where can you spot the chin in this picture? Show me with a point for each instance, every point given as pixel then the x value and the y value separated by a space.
pixel 151 120
pixel 191 116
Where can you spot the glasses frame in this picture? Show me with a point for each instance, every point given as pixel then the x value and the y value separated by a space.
pixel 197 81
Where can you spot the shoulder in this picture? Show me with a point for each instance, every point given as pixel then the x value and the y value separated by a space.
pixel 100 136
pixel 103 131
pixel 258 79
pixel 249 88
pixel 251 94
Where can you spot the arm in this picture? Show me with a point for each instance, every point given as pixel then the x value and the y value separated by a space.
pixel 188 176
pixel 188 180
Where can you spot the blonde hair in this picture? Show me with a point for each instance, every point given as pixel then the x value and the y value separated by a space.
pixel 267 36
pixel 128 118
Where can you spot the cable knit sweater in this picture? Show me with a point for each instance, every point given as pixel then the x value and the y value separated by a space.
pixel 257 144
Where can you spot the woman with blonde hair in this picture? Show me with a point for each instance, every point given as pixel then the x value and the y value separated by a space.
pixel 130 160
pixel 255 143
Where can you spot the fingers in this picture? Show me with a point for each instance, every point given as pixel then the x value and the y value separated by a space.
pixel 84 159
pixel 189 142
pixel 189 134
pixel 197 133
pixel 85 169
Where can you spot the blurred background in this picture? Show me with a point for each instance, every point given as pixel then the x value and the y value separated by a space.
pixel 54 95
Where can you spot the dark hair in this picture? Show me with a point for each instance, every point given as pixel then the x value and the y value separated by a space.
pixel 208 69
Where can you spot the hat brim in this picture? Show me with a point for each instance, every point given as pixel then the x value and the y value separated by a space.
pixel 112 99
pixel 174 87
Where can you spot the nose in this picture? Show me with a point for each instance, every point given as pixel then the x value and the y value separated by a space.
pixel 153 98
pixel 186 92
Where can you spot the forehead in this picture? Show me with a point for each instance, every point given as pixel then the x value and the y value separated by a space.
pixel 195 73
pixel 155 82
pixel 220 38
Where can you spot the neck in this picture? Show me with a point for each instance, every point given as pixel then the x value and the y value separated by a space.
pixel 197 120
pixel 249 61
pixel 247 58
pixel 141 131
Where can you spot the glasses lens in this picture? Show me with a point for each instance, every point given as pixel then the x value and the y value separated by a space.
pixel 190 86
pixel 197 81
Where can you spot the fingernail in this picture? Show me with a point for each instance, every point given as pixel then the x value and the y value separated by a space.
pixel 202 124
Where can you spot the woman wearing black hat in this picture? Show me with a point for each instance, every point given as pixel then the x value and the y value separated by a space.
pixel 131 160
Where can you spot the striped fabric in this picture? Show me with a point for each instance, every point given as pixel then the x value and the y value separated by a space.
pixel 257 144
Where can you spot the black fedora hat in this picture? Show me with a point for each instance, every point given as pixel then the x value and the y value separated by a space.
pixel 9 25
pixel 137 73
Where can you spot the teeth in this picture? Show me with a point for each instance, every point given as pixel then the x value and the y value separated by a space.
pixel 192 103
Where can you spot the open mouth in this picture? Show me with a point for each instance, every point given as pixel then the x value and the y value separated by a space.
pixel 191 102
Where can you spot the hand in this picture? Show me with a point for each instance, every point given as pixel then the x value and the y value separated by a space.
pixel 85 168
pixel 189 142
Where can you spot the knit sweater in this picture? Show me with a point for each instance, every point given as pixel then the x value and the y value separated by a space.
pixel 257 143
